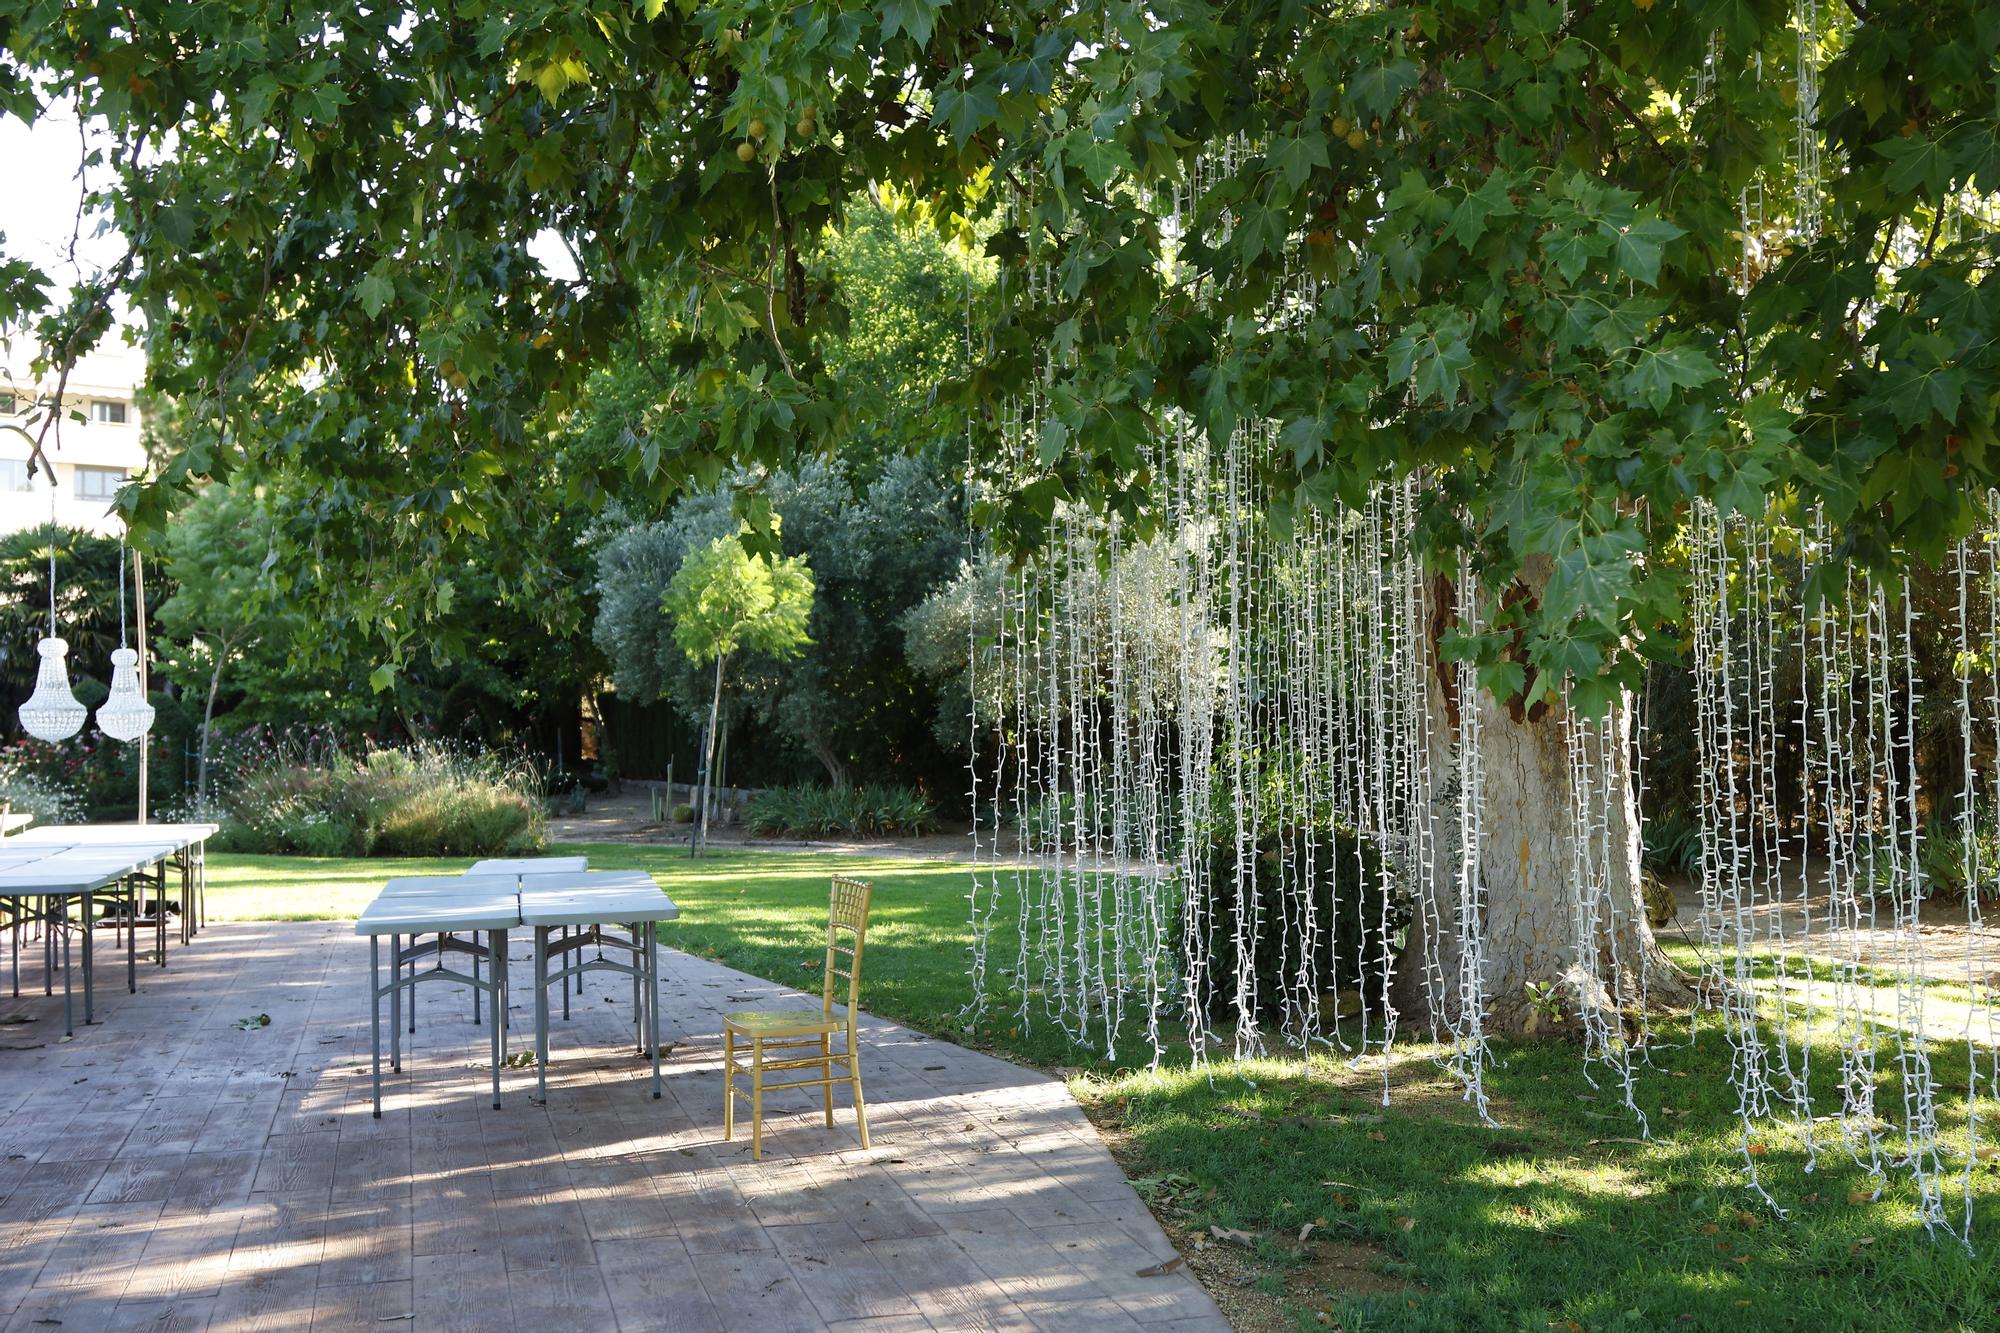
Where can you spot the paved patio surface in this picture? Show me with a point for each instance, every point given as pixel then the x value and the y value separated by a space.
pixel 169 1170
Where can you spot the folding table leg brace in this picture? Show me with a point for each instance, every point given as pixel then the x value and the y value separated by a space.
pixel 643 948
pixel 494 983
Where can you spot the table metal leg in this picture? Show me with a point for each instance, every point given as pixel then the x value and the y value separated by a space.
pixel 89 911
pixel 652 929
pixel 375 1014
pixel 396 1003
pixel 475 975
pixel 638 1005
pixel 542 1013
pixel 497 960
pixel 493 938
pixel 131 911
pixel 159 879
pixel 69 1022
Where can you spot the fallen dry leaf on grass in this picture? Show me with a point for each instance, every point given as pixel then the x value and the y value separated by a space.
pixel 1247 1239
pixel 1406 1224
pixel 1162 1268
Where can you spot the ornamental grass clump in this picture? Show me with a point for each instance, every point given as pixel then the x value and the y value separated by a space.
pixel 316 799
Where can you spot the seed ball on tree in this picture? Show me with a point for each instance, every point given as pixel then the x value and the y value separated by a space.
pixel 1355 138
pixel 746 151
pixel 1341 125
pixel 758 128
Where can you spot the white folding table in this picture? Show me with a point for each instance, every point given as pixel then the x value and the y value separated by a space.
pixel 52 874
pixel 488 905
pixel 579 904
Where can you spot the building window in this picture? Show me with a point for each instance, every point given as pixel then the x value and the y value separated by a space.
pixel 13 474
pixel 108 410
pixel 98 483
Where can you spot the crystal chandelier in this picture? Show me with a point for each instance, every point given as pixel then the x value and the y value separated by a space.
pixel 125 715
pixel 52 712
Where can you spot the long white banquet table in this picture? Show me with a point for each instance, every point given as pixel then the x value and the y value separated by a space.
pixel 187 852
pixel 579 903
pixel 44 871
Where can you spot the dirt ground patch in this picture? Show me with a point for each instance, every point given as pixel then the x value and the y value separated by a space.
pixel 1256 1295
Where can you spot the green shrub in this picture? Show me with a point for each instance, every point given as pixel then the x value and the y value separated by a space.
pixel 683 813
pixel 876 810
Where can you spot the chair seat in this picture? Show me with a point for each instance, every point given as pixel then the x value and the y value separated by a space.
pixel 783 1022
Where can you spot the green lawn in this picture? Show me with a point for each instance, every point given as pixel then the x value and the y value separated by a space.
pixel 1557 1220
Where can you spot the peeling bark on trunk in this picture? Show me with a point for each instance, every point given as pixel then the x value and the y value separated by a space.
pixel 1526 872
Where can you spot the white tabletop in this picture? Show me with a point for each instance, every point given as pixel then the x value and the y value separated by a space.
pixel 424 914
pixel 168 838
pixel 56 876
pixel 435 886
pixel 559 882
pixel 574 900
pixel 529 865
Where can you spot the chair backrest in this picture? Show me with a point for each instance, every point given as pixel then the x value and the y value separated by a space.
pixel 846 930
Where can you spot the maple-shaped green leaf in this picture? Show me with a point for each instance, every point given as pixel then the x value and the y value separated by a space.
pixel 374 291
pixel 1295 155
pixel 1915 164
pixel 1657 371
pixel 1639 244
pixel 1469 218
pixel 915 17
pixel 1100 159
pixel 965 109
pixel 1375 90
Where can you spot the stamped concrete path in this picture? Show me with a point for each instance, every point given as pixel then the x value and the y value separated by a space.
pixel 168 1169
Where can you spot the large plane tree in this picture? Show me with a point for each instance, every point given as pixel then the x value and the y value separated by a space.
pixel 1581 265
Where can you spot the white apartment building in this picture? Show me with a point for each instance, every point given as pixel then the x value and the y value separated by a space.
pixel 93 457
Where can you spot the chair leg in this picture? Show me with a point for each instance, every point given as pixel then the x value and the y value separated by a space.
pixel 854 1077
pixel 826 1076
pixel 728 1084
pixel 756 1099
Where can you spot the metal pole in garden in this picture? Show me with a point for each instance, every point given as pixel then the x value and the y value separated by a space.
pixel 145 692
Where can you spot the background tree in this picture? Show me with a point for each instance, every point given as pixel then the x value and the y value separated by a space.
pixel 724 599
pixel 222 603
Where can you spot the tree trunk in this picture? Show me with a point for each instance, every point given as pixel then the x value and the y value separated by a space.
pixel 207 725
pixel 708 758
pixel 1538 974
pixel 836 771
